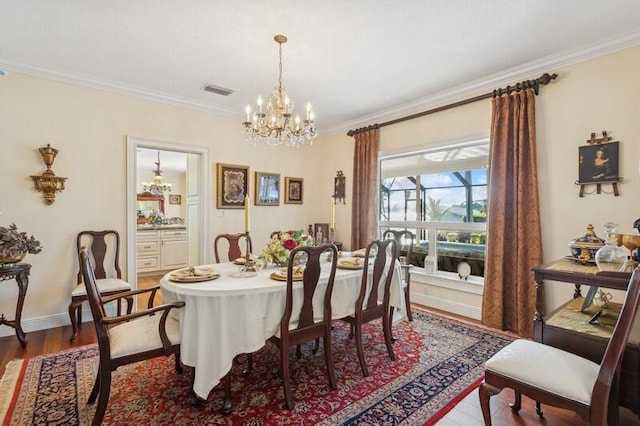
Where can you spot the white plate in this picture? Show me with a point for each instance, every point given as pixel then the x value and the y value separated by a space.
pixel 464 270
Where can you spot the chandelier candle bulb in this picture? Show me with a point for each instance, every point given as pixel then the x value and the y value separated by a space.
pixel 279 125
pixel 246 213
pixel 248 113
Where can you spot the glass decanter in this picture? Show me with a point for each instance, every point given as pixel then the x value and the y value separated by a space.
pixel 610 257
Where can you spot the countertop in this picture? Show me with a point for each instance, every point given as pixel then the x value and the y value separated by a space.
pixel 158 227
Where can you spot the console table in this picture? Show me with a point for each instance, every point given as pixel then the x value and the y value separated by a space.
pixel 568 328
pixel 19 272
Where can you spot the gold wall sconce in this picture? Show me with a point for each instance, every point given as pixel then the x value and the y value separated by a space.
pixel 48 183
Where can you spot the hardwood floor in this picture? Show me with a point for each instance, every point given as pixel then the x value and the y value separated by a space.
pixel 466 413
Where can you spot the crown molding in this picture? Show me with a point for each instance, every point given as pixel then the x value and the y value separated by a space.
pixel 441 97
pixel 490 82
pixel 114 88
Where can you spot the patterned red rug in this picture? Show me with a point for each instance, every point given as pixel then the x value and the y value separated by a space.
pixel 438 361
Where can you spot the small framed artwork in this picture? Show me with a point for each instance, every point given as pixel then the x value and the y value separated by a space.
pixel 598 163
pixel 232 185
pixel 293 190
pixel 267 189
pixel 175 199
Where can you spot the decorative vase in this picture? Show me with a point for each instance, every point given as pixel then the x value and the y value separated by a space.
pixel 611 257
pixel 6 261
pixel 584 248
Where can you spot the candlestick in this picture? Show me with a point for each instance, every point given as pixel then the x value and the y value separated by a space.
pixel 246 213
pixel 332 213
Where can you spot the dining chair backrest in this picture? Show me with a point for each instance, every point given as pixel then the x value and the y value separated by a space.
pixel 383 253
pixel 234 249
pixel 401 237
pixel 310 280
pixel 93 294
pixel 104 248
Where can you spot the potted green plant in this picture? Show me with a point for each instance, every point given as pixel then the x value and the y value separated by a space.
pixel 14 245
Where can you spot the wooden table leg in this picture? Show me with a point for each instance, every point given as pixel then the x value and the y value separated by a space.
pixel 23 282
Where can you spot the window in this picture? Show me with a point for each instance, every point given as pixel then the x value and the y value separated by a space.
pixel 440 195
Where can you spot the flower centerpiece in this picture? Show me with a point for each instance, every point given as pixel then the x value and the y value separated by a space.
pixel 279 247
pixel 15 245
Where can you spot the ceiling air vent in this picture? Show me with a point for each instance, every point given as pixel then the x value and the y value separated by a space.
pixel 217 90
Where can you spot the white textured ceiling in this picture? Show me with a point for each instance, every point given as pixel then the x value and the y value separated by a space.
pixel 356 61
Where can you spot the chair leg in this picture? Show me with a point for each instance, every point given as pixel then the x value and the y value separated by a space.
pixel 96 387
pixel 317 346
pixel 103 398
pixel 485 392
pixel 72 315
pixel 363 363
pixel 517 403
pixel 328 359
pixel 227 406
pixel 386 327
pixel 129 304
pixel 541 414
pixel 179 368
pixel 298 352
pixel 407 301
pixel 284 366
pixel 249 368
pixel 391 311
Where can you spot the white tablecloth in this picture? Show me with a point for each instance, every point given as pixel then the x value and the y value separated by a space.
pixel 229 316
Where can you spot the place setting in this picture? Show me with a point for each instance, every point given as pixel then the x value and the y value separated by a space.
pixel 193 274
pixel 281 274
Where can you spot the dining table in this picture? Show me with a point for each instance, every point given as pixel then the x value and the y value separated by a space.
pixel 236 312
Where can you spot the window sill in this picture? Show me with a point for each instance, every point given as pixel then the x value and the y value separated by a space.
pixel 449 280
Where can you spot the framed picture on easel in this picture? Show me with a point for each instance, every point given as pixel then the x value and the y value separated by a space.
pixel 598 163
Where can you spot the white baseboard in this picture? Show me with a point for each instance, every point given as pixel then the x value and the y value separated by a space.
pixel 51 321
pixel 42 323
pixel 447 305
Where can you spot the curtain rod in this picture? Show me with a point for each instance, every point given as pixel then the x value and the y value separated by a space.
pixel 544 79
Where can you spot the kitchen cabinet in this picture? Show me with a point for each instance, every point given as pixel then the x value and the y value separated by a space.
pixel 161 249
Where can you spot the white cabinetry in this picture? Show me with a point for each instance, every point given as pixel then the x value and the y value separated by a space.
pixel 148 251
pixel 159 250
pixel 173 249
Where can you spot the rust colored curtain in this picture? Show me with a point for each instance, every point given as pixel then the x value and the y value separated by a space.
pixel 365 188
pixel 514 244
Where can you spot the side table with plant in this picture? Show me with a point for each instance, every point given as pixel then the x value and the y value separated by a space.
pixel 15 245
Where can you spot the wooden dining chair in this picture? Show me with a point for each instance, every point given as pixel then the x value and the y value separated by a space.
pixel 234 247
pixel 104 248
pixel 552 376
pixel 377 303
pixel 409 239
pixel 300 323
pixel 128 338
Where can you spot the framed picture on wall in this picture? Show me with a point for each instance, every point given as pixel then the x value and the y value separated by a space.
pixel 232 185
pixel 598 163
pixel 267 189
pixel 293 190
pixel 175 199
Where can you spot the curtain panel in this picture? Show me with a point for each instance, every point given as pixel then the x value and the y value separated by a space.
pixel 514 243
pixel 366 186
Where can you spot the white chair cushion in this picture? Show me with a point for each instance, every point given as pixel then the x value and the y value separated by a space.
pixel 104 285
pixel 547 368
pixel 141 334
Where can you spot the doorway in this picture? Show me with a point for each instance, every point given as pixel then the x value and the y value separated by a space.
pixel 195 196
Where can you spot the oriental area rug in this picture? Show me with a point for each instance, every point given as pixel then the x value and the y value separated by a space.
pixel 438 362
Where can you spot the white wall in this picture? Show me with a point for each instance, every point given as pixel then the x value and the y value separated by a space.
pixel 600 94
pixel 90 127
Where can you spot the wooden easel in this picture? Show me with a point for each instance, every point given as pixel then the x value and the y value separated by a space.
pixel 598 141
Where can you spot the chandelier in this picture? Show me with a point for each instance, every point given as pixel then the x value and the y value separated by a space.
pixel 277 126
pixel 157 187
